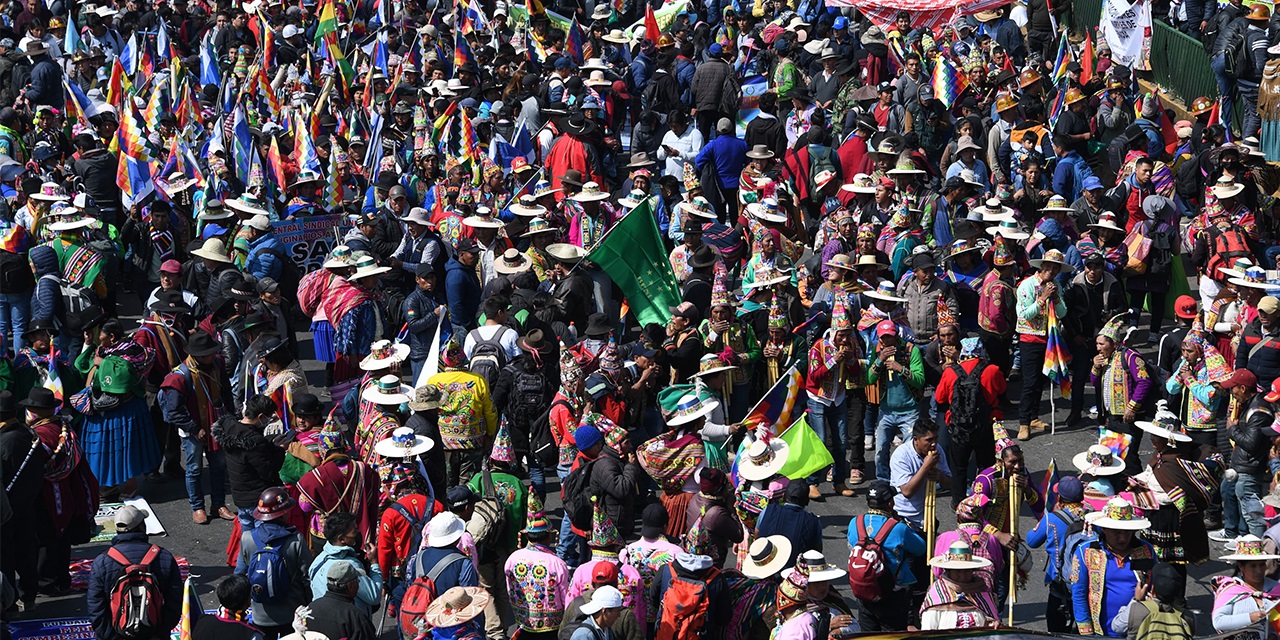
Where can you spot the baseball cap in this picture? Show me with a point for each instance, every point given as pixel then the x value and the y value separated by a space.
pixel 130 518
pixel 604 573
pixel 1070 489
pixel 885 86
pixel 341 573
pixel 1274 394
pixel 1241 378
pixel 1269 304
pixel 715 49
pixel 268 285
pixel 171 266
pixel 880 492
pixel 886 328
pixel 563 63
pixel 459 496
pixel 606 597
pixel 840 23
pixel 639 350
pixel 686 310
pixel 653 521
pixel 1091 183
pixel 1185 307
pixel 467 245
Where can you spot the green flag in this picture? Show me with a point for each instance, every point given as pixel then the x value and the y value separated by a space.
pixel 633 255
pixel 807 453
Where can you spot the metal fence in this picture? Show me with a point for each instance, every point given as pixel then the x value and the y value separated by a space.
pixel 1179 62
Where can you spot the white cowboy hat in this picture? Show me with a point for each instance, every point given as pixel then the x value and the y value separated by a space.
pixel 244 205
pixel 403 443
pixel 1249 547
pixel 50 192
pixel 1009 230
pixel 959 556
pixel 885 291
pixel 766 557
pixel 366 267
pixel 1098 461
pixel 387 390
pixel 765 280
pixel 1227 191
pixel 511 262
pixel 861 183
pixel 70 225
pixel 213 249
pixel 177 183
pixel 383 354
pixel 711 364
pixel 995 211
pixel 766 210
pixel 482 222
pixel 1107 222
pixel 763 460
pixel 695 208
pixel 1162 430
pixel 1118 514
pixel 689 408
pixel 418 215
pixel 819 569
pixel 532 210
pixel 590 193
pixel 565 252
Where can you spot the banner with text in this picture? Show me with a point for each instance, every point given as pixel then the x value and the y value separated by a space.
pixel 1127 29
pixel 309 240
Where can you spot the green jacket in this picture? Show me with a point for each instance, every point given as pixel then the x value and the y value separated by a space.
pixel 899 392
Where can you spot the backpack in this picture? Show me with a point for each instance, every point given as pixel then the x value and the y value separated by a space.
pixel 1133 136
pixel 528 399
pixel 421 593
pixel 489 516
pixel 575 491
pixel 1163 625
pixel 1070 542
pixel 1239 64
pixel 968 405
pixel 416 525
pixel 488 357
pixel 730 94
pixel 1228 247
pixel 136 597
pixel 268 576
pixel 75 297
pixel 868 576
pixel 684 606
pixel 541 441
pixel 819 162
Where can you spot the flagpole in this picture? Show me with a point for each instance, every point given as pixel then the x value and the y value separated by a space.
pixel 784 376
pixel 513 197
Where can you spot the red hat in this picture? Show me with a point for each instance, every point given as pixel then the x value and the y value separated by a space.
pixel 1185 307
pixel 886 328
pixel 888 183
pixel 171 266
pixel 1274 394
pixel 604 573
pixel 1241 378
pixel 519 163
pixel 620 90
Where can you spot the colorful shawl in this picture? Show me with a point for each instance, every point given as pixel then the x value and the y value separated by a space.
pixel 671 460
pixel 975 594
pixel 83 266
pixel 342 298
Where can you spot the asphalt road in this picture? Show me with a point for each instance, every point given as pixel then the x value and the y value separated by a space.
pixel 203 545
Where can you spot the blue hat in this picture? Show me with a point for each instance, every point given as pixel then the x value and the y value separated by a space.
pixel 590 103
pixel 715 49
pixel 1070 489
pixel 840 23
pixel 586 437
pixel 563 63
pixel 1092 182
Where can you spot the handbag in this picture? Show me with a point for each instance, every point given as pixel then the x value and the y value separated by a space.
pixel 1138 248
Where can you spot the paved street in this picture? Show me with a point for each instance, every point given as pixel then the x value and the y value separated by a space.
pixel 203 546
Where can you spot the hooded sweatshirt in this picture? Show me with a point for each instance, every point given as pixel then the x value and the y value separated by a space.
pixel 46 298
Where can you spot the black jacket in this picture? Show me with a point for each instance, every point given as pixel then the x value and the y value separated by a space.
pixel 337 616
pixel 97 171
pixel 617 482
pixel 253 462
pixel 708 84
pixel 16 442
pixel 767 130
pixel 1253 445
pixel 524 407
pixel 1262 359
pixel 105 572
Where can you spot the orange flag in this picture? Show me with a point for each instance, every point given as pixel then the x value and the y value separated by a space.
pixel 651 30
pixel 1086 59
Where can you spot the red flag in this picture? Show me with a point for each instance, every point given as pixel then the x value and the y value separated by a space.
pixel 1167 131
pixel 1086 59
pixel 651 30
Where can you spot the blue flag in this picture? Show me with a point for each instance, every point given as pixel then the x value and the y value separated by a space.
pixel 209 73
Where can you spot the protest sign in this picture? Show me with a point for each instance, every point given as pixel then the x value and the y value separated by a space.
pixel 309 240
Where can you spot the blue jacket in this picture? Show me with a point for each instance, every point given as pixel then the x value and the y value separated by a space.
pixel 265 257
pixel 46 298
pixel 420 315
pixel 1155 140
pixel 1069 176
pixel 729 153
pixel 370 594
pixel 903 542
pixel 1050 533
pixel 46 83
pixel 105 572
pixel 641 70
pixel 463 292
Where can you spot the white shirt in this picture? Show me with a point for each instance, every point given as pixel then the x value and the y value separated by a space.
pixel 507 339
pixel 688 145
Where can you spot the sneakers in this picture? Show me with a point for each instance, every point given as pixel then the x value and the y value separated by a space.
pixel 1232 544
pixel 1219 535
pixel 1024 432
pixel 869 443
pixel 855 477
pixel 843 490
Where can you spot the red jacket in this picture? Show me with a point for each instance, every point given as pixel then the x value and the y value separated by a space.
pixel 395 533
pixel 993 385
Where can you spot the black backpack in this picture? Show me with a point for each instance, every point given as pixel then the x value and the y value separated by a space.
pixel 968 405
pixel 1239 64
pixel 730 94
pixel 488 357
pixel 575 491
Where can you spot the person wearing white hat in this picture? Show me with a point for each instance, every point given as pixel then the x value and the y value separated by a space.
pixel 1108 568
pixel 1035 294
pixel 1242 601
pixel 419 245
pixel 958 599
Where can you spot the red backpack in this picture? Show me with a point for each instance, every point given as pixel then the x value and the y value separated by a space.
pixel 420 594
pixel 867 571
pixel 684 606
pixel 1228 247
pixel 136 597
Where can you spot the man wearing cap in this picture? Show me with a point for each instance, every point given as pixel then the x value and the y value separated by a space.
pixel 1092 296
pixel 1089 206
pixel 267 525
pixel 462 284
pixel 338 613
pixel 1259 342
pixel 902 546
pixel 708 89
pixel 924 291
pixel 131 546
pixel 1249 429
pixel 1052 533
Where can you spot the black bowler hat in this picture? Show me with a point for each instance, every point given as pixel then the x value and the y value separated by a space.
pixel 40 398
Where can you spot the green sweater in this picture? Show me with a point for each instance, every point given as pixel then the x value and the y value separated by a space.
pixel 899 392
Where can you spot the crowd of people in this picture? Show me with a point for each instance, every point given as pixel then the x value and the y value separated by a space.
pixel 380 416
